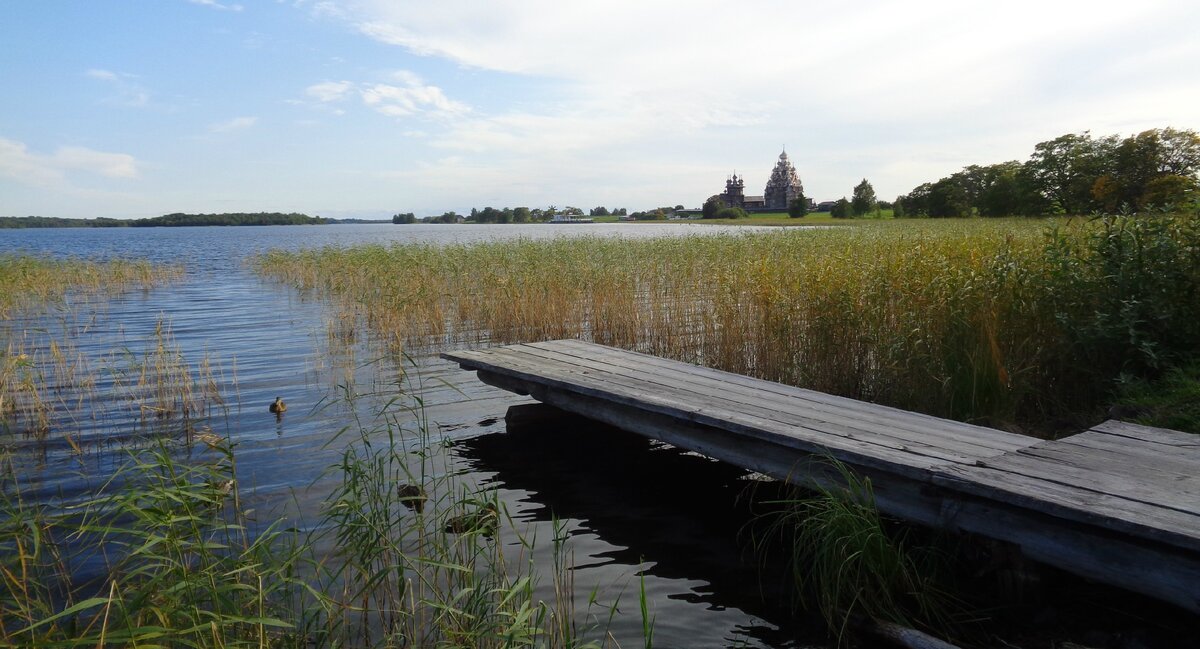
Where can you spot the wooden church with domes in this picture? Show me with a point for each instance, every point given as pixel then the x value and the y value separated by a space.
pixel 783 187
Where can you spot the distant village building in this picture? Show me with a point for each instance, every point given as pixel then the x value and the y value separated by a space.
pixel 734 194
pixel 783 187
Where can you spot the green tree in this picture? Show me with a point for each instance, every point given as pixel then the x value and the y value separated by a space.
pixel 732 213
pixel 948 198
pixel 1180 153
pixel 841 209
pixel 1007 190
pixel 711 207
pixel 1169 191
pixel 406 217
pixel 798 207
pixel 863 200
pixel 521 215
pixel 1140 161
pixel 1066 168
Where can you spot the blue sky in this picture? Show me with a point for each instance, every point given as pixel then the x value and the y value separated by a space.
pixel 369 107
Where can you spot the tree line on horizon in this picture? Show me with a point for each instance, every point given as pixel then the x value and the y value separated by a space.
pixel 177 219
pixel 507 215
pixel 1074 173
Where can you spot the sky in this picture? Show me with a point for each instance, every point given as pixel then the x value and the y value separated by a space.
pixel 366 108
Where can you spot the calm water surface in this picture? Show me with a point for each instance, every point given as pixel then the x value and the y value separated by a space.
pixel 630 505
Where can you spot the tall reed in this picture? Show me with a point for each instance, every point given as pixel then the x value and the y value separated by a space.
pixel 45 304
pixel 849 565
pixel 32 282
pixel 175 562
pixel 982 320
pixel 166 553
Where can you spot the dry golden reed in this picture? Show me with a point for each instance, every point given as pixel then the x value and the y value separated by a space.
pixel 45 381
pixel 990 320
pixel 866 312
pixel 28 282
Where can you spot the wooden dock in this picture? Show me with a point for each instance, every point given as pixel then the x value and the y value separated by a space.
pixel 1119 503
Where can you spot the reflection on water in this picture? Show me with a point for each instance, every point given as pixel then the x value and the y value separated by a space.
pixel 685 518
pixel 629 506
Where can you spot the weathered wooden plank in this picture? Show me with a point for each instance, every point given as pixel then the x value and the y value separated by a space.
pixel 1161 571
pixel 818 401
pixel 783 395
pixel 1131 450
pixel 1178 441
pixel 1162 484
pixel 951 450
pixel 858 418
pixel 815 444
pixel 923 452
pixel 855 452
pixel 749 421
pixel 1075 473
pixel 1069 502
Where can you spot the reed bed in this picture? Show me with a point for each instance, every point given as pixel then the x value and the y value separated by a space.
pixel 28 282
pixel 47 385
pixel 166 553
pixel 993 321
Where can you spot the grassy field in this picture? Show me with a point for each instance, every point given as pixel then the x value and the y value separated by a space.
pixel 1013 323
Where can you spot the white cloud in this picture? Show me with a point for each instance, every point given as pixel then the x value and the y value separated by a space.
pixel 217 5
pixel 41 170
pixel 17 163
pixel 328 91
pixel 857 78
pixel 125 88
pixel 409 96
pixel 235 124
pixel 111 165
pixel 402 101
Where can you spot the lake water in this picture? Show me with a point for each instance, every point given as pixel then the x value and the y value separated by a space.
pixel 630 505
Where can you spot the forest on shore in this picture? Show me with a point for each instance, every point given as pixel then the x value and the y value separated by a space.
pixel 177 219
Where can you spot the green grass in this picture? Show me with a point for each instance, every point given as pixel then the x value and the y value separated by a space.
pixel 1171 401
pixel 781 218
pixel 847 564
